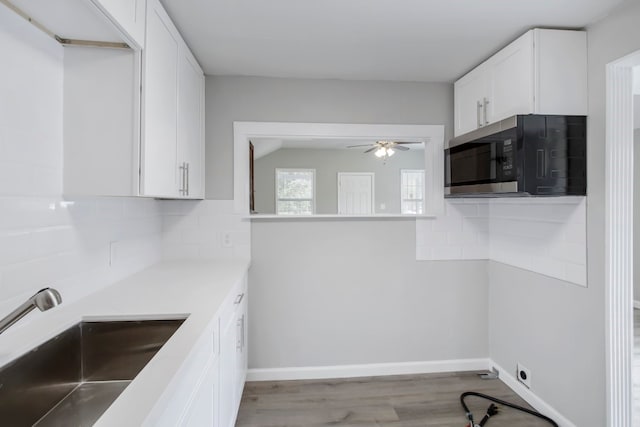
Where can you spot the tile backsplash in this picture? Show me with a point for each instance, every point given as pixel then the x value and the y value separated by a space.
pixel 204 229
pixel 74 245
pixel 545 235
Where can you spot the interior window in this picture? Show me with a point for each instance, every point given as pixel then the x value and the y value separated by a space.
pixel 295 191
pixel 412 191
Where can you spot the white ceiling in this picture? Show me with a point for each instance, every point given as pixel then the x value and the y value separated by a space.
pixel 409 40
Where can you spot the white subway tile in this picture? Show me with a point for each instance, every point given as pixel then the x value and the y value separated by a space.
pixel 435 238
pixel 475 252
pixel 447 253
pixel 447 224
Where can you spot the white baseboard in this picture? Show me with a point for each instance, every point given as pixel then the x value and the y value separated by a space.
pixel 636 304
pixel 368 370
pixel 531 398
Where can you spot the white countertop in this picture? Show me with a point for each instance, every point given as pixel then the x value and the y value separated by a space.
pixel 175 289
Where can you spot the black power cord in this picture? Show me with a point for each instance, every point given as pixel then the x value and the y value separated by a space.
pixel 493 409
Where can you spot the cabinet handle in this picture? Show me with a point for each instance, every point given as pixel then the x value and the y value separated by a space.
pixel 182 190
pixel 187 179
pixel 239 299
pixel 240 337
pixel 478 108
pixel 484 107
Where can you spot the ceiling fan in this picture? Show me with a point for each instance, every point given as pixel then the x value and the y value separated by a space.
pixel 385 149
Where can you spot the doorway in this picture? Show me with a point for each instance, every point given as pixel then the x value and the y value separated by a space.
pixel 356 193
pixel 619 213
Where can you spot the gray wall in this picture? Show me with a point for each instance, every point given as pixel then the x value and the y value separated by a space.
pixel 232 99
pixel 350 292
pixel 344 291
pixel 327 164
pixel 555 329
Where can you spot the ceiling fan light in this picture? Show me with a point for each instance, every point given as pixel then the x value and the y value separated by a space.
pixel 390 152
pixel 381 152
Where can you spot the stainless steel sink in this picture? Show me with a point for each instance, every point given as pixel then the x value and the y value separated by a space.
pixel 74 377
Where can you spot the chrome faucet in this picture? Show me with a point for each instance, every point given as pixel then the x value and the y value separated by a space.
pixel 44 299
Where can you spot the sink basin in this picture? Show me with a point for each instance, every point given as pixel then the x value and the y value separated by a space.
pixel 74 377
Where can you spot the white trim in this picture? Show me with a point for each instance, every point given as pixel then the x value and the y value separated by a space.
pixel 531 398
pixel 432 135
pixel 367 370
pixel 618 241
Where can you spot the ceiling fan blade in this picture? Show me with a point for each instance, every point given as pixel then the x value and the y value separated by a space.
pixel 401 148
pixel 371 149
pixel 361 145
pixel 404 143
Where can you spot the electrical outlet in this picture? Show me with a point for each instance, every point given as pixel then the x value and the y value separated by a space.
pixel 524 375
pixel 227 241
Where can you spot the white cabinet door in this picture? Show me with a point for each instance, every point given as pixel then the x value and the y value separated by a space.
pixel 511 80
pixel 228 364
pixel 241 348
pixel 160 108
pixel 203 408
pixel 469 93
pixel 128 16
pixel 190 126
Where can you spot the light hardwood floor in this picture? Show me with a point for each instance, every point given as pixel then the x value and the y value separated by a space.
pixel 393 401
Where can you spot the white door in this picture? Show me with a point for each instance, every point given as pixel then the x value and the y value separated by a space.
pixel 355 193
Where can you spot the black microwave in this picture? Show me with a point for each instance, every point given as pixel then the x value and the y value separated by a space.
pixel 525 155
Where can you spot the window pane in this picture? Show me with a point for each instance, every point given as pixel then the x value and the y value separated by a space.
pixel 295 184
pixel 297 207
pixel 412 191
pixel 414 207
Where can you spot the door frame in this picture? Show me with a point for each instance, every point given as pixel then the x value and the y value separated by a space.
pixel 373 188
pixel 619 240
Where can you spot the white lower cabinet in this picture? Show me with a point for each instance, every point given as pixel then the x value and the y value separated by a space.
pixel 208 388
pixel 203 408
pixel 233 356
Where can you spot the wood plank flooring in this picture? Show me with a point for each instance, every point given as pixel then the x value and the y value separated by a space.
pixel 393 401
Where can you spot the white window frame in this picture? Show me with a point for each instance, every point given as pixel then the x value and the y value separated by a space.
pixel 313 199
pixel 422 199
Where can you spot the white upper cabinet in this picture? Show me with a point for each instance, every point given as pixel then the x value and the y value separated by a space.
pixel 470 92
pixel 173 112
pixel 190 127
pixel 542 72
pixel 140 131
pixel 128 16
pixel 510 81
pixel 159 176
